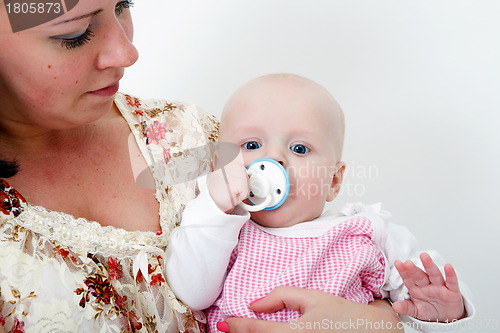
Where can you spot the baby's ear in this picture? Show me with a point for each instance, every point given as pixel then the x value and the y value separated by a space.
pixel 336 184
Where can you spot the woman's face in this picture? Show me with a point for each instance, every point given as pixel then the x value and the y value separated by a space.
pixel 64 73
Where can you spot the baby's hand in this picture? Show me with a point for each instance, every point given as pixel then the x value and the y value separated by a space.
pixel 229 185
pixel 431 297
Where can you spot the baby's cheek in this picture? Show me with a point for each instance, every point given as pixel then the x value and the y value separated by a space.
pixel 309 188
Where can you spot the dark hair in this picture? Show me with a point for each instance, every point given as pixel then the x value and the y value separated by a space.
pixel 8 168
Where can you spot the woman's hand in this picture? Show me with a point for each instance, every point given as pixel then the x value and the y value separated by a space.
pixel 321 312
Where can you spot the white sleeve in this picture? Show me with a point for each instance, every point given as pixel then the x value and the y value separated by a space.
pixel 199 249
pixel 400 244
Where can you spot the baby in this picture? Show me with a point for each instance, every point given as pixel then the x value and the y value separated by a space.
pixel 351 254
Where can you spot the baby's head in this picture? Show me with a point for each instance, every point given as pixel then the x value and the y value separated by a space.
pixel 298 123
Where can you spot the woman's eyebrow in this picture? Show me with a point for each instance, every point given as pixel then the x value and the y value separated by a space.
pixel 81 17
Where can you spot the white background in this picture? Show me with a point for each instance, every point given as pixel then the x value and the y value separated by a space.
pixel 419 82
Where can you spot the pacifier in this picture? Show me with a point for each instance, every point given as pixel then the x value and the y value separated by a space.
pixel 269 185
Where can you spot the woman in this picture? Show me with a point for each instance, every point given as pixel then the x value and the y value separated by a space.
pixel 67 161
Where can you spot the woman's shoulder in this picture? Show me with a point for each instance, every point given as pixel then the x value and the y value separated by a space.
pixel 136 104
pixel 151 108
pixel 142 111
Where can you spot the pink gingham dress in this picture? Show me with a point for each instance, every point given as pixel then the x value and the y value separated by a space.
pixel 343 261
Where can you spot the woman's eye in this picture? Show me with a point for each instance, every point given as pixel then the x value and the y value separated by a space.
pixel 252 145
pixel 72 42
pixel 123 5
pixel 299 149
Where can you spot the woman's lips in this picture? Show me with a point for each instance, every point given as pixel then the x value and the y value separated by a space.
pixel 106 92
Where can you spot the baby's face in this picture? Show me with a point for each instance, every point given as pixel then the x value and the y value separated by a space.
pixel 294 124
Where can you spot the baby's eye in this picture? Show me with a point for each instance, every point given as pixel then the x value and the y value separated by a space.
pixel 299 149
pixel 251 145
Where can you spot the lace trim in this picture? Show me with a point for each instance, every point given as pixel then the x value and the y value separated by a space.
pixel 82 235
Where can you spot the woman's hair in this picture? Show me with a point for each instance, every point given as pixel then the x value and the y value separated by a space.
pixel 8 168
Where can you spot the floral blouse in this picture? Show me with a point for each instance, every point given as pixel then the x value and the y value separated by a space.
pixel 66 274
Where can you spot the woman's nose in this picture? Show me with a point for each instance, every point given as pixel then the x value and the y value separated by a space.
pixel 117 49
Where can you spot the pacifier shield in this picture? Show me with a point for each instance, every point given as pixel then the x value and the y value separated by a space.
pixel 268 177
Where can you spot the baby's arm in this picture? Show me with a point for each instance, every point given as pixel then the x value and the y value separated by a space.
pixel 199 249
pixel 432 298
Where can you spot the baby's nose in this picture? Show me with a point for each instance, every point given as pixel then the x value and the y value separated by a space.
pixel 276 154
pixel 280 161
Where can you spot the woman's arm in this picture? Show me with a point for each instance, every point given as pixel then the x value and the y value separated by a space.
pixel 321 312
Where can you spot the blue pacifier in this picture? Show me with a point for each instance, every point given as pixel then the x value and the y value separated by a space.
pixel 269 185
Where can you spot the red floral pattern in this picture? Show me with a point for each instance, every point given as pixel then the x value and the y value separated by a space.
pixel 155 132
pixel 64 253
pixel 115 269
pixel 104 294
pixel 98 287
pixel 17 327
pixel 157 279
pixel 134 320
pixel 132 101
pixel 166 155
pixel 10 200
